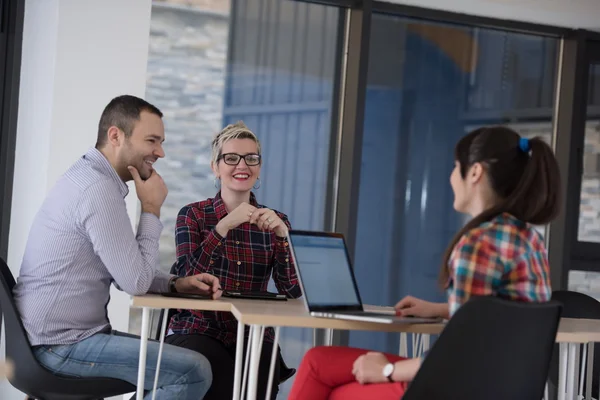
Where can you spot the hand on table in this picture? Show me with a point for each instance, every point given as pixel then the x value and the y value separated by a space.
pixel 205 284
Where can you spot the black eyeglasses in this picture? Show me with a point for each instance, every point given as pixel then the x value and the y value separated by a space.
pixel 234 159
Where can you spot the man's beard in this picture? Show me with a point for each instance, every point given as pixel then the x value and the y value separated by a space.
pixel 137 161
pixel 142 167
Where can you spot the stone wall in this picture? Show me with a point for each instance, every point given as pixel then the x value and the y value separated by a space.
pixel 185 79
pixel 221 6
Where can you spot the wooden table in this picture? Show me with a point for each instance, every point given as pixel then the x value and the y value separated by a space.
pixel 258 314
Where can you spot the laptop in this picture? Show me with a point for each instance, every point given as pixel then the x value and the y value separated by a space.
pixel 327 279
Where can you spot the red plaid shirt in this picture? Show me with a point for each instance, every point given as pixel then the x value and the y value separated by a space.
pixel 243 261
pixel 504 257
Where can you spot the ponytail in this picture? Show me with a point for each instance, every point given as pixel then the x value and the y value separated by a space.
pixel 537 199
pixel 525 176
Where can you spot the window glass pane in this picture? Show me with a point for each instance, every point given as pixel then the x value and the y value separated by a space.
pixel 585 282
pixel 589 211
pixel 428 85
pixel 270 63
pixel 281 72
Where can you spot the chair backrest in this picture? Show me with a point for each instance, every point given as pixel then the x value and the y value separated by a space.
pixel 576 305
pixel 18 347
pixel 491 349
pixel 29 376
pixel 26 367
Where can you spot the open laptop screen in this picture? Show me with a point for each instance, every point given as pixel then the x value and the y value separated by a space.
pixel 325 271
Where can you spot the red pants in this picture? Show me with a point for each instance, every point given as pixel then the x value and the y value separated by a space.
pixel 326 374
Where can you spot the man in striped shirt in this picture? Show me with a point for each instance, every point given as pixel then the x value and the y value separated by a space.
pixel 81 241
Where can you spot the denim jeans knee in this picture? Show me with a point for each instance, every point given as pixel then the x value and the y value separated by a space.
pixel 199 371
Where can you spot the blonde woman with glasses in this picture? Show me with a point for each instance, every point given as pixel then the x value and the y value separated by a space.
pixel 241 242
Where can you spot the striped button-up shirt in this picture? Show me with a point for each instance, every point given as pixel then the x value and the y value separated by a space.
pixel 80 242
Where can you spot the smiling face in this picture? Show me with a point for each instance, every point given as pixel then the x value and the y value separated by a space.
pixel 232 166
pixel 144 146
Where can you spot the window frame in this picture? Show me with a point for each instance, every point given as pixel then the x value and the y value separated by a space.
pixel 568 116
pixel 12 15
pixel 584 256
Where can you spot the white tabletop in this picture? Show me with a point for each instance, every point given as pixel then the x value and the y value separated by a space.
pixel 293 313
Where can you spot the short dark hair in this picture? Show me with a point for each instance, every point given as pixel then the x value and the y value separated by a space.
pixel 122 112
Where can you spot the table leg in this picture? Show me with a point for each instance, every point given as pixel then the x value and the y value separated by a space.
pixel 257 338
pixel 273 361
pixel 416 340
pixel 576 371
pixel 239 359
pixel 582 377
pixel 571 374
pixel 562 370
pixel 260 344
pixel 247 362
pixel 590 370
pixel 328 337
pixel 425 342
pixel 143 352
pixel 160 350
pixel 403 345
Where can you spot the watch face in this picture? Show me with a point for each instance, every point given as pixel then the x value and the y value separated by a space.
pixel 388 369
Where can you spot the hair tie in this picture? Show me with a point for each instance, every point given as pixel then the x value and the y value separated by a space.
pixel 524 145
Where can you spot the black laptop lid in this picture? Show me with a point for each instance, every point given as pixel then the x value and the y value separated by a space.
pixel 323 266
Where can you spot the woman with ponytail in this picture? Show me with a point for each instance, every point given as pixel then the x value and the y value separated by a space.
pixel 507 184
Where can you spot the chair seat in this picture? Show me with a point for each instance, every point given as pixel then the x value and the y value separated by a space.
pixel 76 388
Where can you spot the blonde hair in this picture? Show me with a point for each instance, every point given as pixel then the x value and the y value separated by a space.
pixel 239 130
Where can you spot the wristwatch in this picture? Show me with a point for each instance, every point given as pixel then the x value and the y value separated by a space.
pixel 172 288
pixel 388 370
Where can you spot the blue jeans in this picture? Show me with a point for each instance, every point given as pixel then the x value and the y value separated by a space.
pixel 184 374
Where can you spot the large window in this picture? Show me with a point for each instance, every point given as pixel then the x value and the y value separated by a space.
pixel 280 80
pixel 589 211
pixel 11 35
pixel 429 84
pixel 276 65
pixel 588 282
pixel 270 63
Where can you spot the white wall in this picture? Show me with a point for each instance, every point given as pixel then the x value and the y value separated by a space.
pixel 77 55
pixel 581 14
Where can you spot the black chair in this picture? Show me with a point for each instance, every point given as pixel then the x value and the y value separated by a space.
pixel 576 305
pixel 29 375
pixel 285 372
pixel 491 349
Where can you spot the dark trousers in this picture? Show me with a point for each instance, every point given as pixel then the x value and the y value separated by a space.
pixel 222 361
